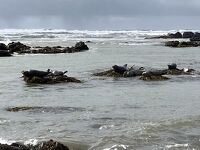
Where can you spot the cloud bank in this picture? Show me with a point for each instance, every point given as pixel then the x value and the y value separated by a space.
pixel 100 14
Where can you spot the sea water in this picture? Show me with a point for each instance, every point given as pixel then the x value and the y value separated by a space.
pixel 101 113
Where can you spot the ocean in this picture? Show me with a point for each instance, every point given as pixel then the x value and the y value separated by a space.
pixel 101 113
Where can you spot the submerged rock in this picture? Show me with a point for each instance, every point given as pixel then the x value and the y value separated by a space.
pixel 46 77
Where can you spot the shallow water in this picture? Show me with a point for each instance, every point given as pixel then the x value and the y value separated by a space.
pixel 101 113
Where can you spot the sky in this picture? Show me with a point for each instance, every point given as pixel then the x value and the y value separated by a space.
pixel 100 14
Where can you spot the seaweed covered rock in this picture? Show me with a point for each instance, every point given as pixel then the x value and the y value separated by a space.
pixel 18 47
pixel 47 77
pixel 154 78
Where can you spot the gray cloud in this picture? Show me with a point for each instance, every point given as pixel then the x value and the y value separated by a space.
pixel 99 14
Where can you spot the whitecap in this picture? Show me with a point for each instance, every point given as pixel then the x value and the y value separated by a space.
pixel 115 147
pixel 31 142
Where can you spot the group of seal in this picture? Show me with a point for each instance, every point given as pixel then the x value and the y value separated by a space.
pixel 49 76
pixel 144 73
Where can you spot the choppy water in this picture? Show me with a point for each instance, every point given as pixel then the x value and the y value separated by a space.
pixel 101 113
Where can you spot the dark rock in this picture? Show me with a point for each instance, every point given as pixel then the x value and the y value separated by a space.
pixel 120 69
pixel 108 73
pixel 196 37
pixel 51 145
pixel 188 44
pixel 81 46
pixel 177 35
pixel 3 46
pixel 178 44
pixel 154 78
pixel 17 47
pixel 188 34
pixel 5 53
pixel 172 43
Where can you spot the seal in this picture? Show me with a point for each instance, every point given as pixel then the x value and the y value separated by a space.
pixel 36 73
pixel 154 73
pixel 172 66
pixel 59 73
pixel 120 69
pixel 134 71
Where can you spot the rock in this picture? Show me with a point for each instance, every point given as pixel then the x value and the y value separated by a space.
pixel 177 35
pixel 154 78
pixel 172 43
pixel 196 37
pixel 178 44
pixel 48 145
pixel 188 44
pixel 51 145
pixel 18 47
pixel 5 53
pixel 3 46
pixel 188 34
pixel 108 73
pixel 81 46
pixel 16 109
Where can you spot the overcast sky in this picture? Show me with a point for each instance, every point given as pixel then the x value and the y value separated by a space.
pixel 100 14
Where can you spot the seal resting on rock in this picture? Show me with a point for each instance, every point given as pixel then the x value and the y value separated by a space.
pixel 47 77
pixel 134 71
pixel 120 69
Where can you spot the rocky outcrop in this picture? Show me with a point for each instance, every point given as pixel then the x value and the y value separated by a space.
pixel 5 53
pixel 176 35
pixel 3 46
pixel 188 34
pixel 47 145
pixel 195 37
pixel 179 44
pixel 24 49
pixel 18 47
pixel 147 74
pixel 47 77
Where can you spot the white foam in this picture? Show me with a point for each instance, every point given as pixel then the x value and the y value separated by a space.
pixel 31 142
pixel 8 142
pixel 177 145
pixel 116 147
